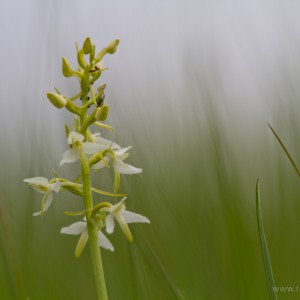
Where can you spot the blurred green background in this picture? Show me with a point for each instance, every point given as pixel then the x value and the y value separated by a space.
pixel 191 88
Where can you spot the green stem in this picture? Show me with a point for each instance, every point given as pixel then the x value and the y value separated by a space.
pixel 88 203
pixel 264 247
pixel 93 239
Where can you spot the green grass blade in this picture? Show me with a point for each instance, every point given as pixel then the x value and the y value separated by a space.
pixel 264 247
pixel 285 151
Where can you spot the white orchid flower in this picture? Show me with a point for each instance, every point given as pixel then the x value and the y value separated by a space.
pixel 79 147
pixel 115 159
pixel 81 228
pixel 123 217
pixel 42 185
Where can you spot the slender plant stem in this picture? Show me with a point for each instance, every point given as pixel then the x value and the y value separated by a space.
pixel 285 151
pixel 93 239
pixel 264 247
pixel 88 203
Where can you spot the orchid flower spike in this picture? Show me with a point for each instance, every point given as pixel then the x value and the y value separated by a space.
pixel 81 228
pixel 123 217
pixel 42 185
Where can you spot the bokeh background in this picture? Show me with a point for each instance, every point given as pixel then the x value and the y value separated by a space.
pixel 191 88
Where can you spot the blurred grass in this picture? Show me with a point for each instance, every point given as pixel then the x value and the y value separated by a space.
pixel 197 121
pixel 198 190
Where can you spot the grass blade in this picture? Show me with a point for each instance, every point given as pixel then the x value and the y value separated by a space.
pixel 285 151
pixel 264 247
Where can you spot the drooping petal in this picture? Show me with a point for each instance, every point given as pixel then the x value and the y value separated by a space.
pixel 74 229
pixel 124 226
pixel 110 224
pixel 123 168
pixel 69 156
pixel 131 217
pixel 104 242
pixel 81 242
pixel 74 137
pixel 46 202
pixel 92 148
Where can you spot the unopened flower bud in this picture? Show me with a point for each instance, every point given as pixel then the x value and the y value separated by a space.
pixel 102 113
pixel 57 100
pixel 80 58
pixel 87 46
pixel 66 68
pixel 112 47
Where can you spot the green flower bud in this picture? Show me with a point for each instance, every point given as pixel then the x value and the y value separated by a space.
pixel 102 113
pixel 66 68
pixel 80 58
pixel 112 47
pixel 57 100
pixel 87 46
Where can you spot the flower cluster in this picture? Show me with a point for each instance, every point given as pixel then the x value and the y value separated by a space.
pixel 94 153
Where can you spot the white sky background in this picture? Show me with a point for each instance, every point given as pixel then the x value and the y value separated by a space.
pixel 245 54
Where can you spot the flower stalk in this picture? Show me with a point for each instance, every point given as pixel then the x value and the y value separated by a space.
pixel 93 238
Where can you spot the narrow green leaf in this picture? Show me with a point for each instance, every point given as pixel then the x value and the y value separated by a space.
pixel 285 151
pixel 264 247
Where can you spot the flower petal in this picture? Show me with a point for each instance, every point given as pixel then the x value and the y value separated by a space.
pixel 37 180
pixel 92 148
pixel 124 226
pixel 131 217
pixel 40 184
pixel 121 151
pixel 74 137
pixel 74 229
pixel 81 242
pixel 55 186
pixel 100 140
pixel 48 201
pixel 123 168
pixel 69 156
pixel 104 242
pixel 44 206
pixel 116 208
pixel 110 224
